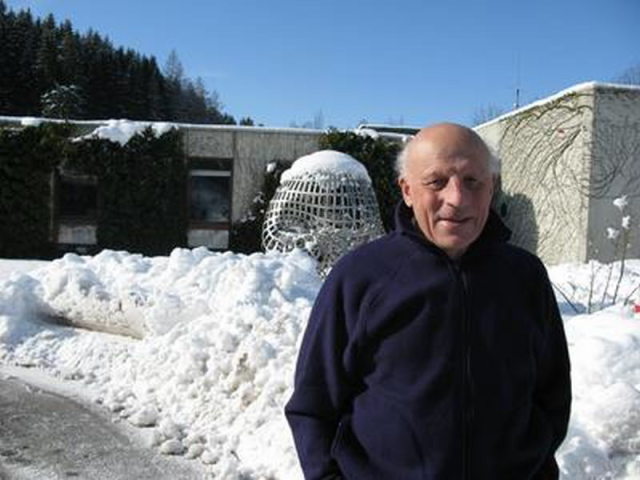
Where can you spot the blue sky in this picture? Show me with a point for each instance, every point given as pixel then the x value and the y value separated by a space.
pixel 407 61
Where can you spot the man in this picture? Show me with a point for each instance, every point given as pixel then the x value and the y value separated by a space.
pixel 436 352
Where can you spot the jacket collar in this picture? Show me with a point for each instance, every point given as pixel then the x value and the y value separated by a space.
pixel 494 232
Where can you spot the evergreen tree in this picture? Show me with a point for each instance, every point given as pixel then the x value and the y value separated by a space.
pixel 63 101
pixel 39 57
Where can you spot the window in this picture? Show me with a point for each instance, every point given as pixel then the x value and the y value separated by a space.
pixel 210 193
pixel 77 197
pixel 76 208
pixel 209 202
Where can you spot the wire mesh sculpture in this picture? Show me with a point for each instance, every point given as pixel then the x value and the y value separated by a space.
pixel 325 204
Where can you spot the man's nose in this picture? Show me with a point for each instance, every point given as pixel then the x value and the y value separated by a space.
pixel 455 194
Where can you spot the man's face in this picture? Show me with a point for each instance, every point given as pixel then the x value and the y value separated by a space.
pixel 448 184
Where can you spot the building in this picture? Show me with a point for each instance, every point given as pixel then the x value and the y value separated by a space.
pixel 564 160
pixel 226 166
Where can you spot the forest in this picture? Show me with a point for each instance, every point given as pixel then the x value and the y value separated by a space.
pixel 49 69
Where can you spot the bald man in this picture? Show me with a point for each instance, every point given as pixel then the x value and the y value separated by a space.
pixel 436 352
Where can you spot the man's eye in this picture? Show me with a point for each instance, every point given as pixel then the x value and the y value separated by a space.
pixel 436 183
pixel 472 183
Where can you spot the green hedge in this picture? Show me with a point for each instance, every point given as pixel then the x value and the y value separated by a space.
pixel 379 157
pixel 141 189
pixel 27 157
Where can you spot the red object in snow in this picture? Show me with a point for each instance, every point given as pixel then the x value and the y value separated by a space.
pixel 636 308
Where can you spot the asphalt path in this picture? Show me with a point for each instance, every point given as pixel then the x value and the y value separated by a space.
pixel 44 435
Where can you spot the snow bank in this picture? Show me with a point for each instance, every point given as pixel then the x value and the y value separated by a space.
pixel 121 131
pixel 210 378
pixel 325 162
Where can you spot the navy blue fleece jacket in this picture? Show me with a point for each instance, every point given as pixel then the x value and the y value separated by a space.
pixel 417 367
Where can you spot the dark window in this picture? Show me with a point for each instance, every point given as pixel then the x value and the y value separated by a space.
pixel 210 192
pixel 77 197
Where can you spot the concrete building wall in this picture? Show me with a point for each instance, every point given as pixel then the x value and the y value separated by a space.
pixel 615 170
pixel 249 149
pixel 255 151
pixel 563 160
pixel 544 170
pixel 245 150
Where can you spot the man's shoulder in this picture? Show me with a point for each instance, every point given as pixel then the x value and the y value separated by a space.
pixel 373 260
pixel 519 260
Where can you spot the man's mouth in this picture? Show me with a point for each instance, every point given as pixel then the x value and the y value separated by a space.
pixel 455 219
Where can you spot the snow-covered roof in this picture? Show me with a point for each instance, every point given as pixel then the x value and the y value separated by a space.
pixel 32 121
pixel 579 88
pixel 326 162
pixel 121 131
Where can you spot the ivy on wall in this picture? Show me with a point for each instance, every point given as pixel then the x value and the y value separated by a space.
pixel 141 189
pixel 27 157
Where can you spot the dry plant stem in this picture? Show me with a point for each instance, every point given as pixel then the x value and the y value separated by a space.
pixel 609 274
pixel 627 299
pixel 564 295
pixel 625 246
pixel 592 279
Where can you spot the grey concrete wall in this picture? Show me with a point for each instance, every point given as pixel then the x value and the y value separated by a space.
pixel 615 170
pixel 564 160
pixel 251 149
pixel 544 173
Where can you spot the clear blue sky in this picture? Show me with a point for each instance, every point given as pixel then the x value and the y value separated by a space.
pixel 407 61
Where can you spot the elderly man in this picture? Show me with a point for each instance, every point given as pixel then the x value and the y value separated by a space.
pixel 436 352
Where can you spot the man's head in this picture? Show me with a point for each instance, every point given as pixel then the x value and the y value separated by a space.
pixel 445 177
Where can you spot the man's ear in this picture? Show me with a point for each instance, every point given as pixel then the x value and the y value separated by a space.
pixel 495 184
pixel 405 188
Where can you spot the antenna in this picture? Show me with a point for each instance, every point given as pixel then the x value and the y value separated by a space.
pixel 516 105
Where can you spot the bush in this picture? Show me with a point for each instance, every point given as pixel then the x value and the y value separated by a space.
pixel 378 156
pixel 141 189
pixel 27 157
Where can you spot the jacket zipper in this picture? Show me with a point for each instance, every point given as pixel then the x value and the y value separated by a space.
pixel 467 404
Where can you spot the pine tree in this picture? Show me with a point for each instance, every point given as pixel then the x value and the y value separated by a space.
pixel 40 59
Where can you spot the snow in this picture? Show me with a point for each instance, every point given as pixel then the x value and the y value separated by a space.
pixel 212 370
pixel 621 203
pixel 325 162
pixel 227 128
pixel 579 88
pixel 121 131
pixel 30 121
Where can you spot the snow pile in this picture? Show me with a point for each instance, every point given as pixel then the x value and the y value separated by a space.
pixel 604 439
pixel 325 162
pixel 121 131
pixel 210 377
pixel 604 434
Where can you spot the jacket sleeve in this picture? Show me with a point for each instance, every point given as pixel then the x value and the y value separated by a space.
pixel 552 395
pixel 323 388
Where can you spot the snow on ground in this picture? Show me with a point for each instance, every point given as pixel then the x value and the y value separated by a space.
pixel 9 267
pixel 215 365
